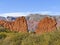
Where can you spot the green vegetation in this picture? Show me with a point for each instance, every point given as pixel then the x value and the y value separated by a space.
pixel 16 38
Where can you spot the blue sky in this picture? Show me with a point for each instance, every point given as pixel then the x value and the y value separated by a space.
pixel 41 6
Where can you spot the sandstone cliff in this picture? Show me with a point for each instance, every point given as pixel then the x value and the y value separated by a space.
pixel 20 24
pixel 46 25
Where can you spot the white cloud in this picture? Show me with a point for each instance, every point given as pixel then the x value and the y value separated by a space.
pixel 14 14
pixel 27 13
pixel 45 12
pixel 49 13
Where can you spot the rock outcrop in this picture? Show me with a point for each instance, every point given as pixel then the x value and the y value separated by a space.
pixel 20 24
pixel 46 25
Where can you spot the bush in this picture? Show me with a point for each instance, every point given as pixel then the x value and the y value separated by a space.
pixel 51 38
pixel 2 29
pixel 2 35
pixel 12 38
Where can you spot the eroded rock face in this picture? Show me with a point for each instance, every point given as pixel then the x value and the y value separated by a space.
pixel 46 25
pixel 20 24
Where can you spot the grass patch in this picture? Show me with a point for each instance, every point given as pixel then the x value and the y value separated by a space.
pixel 16 38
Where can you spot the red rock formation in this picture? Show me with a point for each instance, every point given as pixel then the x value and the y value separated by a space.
pixel 20 24
pixel 46 25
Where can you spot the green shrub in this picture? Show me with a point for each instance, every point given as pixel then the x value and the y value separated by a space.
pixel 2 35
pixel 2 29
pixel 51 38
pixel 13 38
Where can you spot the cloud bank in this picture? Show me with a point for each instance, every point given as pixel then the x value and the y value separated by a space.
pixel 13 14
pixel 16 14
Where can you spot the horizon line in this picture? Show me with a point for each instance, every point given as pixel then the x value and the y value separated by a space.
pixel 14 14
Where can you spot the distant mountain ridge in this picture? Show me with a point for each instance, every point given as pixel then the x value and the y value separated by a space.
pixel 2 18
pixel 8 18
